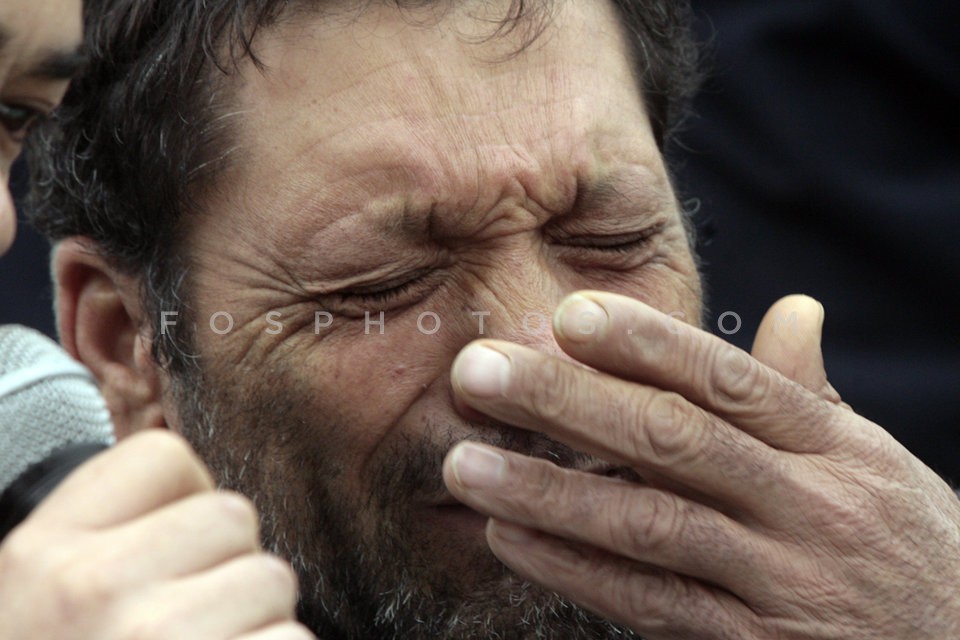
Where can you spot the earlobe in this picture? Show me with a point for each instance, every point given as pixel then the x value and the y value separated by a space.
pixel 100 321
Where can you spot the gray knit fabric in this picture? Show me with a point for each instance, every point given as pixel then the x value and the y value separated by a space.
pixel 47 400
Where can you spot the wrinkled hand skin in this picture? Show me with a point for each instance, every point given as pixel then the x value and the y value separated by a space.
pixel 137 545
pixel 770 509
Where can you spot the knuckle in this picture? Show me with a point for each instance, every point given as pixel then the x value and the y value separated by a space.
pixel 180 461
pixel 845 513
pixel 539 490
pixel 80 587
pixel 736 379
pixel 165 445
pixel 73 580
pixel 655 523
pixel 19 552
pixel 549 493
pixel 668 431
pixel 278 576
pixel 237 511
pixel 641 600
pixel 877 450
pixel 842 516
pixel 551 391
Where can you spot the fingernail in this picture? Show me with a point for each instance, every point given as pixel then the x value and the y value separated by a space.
pixel 512 533
pixel 579 319
pixel 476 466
pixel 482 372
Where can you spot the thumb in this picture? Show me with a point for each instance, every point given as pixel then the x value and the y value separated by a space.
pixel 788 340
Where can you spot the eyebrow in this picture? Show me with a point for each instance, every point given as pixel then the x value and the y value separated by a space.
pixel 58 64
pixel 602 193
pixel 614 190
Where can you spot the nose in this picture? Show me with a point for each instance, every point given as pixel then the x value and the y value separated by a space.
pixel 8 217
pixel 518 302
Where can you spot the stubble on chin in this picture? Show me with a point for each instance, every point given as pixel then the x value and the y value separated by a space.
pixel 368 568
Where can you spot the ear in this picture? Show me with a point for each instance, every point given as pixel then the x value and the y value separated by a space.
pixel 102 324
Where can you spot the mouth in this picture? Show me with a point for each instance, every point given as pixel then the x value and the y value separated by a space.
pixel 619 472
pixel 454 517
pixel 447 502
pixel 446 513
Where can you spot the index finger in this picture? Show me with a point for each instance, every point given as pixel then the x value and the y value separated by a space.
pixel 142 473
pixel 629 339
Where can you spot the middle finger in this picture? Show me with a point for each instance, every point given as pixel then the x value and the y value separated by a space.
pixel 622 422
pixel 640 522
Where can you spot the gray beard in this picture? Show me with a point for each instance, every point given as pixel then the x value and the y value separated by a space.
pixel 357 585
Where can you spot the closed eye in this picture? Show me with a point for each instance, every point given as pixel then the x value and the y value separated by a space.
pixel 608 251
pixel 620 243
pixel 381 292
pixel 392 294
pixel 19 119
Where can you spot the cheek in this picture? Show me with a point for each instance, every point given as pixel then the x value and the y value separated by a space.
pixel 678 289
pixel 369 382
pixel 670 284
pixel 672 280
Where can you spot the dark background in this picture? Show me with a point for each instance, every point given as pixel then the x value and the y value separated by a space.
pixel 25 291
pixel 826 155
pixel 826 158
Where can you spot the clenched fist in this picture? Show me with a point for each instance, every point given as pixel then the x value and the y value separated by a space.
pixel 136 544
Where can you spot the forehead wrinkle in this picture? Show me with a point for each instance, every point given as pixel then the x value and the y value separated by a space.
pixel 330 155
pixel 501 143
pixel 427 74
pixel 487 119
pixel 356 199
pixel 425 202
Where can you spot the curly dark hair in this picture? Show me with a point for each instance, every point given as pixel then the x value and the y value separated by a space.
pixel 138 136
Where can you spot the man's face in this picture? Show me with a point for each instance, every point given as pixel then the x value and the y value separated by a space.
pixel 411 163
pixel 38 39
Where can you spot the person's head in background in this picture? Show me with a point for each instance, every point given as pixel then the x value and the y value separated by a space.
pixel 39 53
